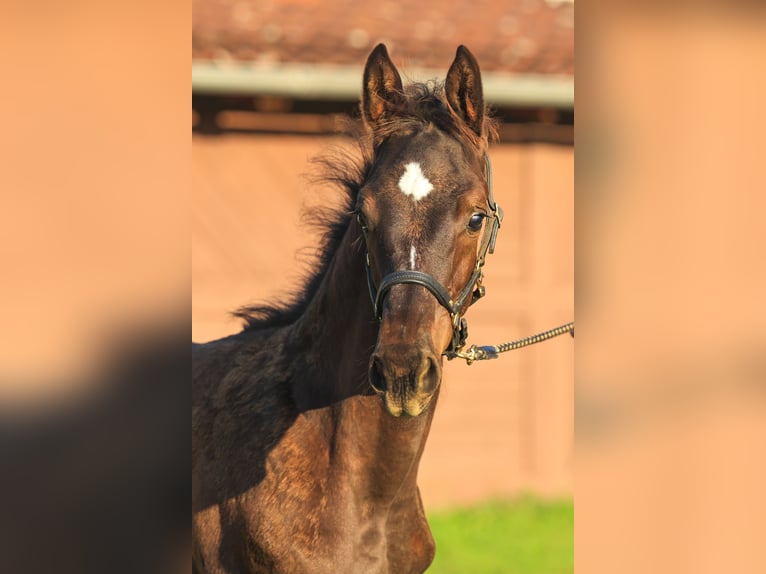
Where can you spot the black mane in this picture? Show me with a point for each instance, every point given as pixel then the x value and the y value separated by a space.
pixel 348 170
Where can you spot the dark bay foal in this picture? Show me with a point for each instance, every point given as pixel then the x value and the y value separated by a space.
pixel 308 427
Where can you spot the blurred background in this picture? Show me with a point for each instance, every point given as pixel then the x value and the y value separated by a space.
pixel 94 267
pixel 270 80
pixel 671 353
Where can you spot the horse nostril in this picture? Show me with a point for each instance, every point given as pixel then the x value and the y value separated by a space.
pixel 429 374
pixel 377 378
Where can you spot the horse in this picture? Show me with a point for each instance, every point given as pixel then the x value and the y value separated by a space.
pixel 308 426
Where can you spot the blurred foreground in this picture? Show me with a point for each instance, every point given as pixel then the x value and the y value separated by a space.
pixel 98 481
pixel 94 363
pixel 671 353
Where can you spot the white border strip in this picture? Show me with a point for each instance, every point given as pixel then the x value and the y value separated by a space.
pixel 323 82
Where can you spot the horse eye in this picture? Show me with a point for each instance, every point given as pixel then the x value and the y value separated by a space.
pixel 362 220
pixel 474 224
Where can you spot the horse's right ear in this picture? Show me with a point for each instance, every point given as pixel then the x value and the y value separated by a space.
pixel 382 95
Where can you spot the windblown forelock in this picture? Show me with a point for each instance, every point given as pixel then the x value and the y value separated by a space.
pixel 425 104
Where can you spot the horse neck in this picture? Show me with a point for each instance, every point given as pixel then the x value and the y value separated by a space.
pixel 337 334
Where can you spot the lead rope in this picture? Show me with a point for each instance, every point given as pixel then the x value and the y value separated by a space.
pixel 475 353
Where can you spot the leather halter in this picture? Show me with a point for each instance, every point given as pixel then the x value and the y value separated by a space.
pixel 473 290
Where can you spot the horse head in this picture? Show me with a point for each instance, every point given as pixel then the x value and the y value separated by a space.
pixel 428 217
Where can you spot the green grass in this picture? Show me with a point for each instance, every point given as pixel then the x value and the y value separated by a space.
pixel 523 536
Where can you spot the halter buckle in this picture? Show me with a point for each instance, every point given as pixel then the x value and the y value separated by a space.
pixel 479 290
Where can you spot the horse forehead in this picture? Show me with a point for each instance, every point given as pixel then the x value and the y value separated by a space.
pixel 426 174
pixel 419 182
pixel 433 151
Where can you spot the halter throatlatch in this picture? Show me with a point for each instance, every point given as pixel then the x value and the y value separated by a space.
pixel 472 292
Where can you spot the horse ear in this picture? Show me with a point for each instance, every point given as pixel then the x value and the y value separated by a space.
pixel 382 95
pixel 463 89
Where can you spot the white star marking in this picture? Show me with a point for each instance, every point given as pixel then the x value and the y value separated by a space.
pixel 414 183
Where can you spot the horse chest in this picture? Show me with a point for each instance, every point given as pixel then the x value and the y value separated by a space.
pixel 338 542
pixel 316 511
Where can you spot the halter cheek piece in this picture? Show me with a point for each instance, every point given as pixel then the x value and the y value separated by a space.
pixel 473 290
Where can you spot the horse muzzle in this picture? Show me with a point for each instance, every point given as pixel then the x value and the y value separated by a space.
pixel 406 377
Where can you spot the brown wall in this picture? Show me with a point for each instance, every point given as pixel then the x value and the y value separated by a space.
pixel 501 427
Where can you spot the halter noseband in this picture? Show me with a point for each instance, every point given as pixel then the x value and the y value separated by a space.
pixel 473 290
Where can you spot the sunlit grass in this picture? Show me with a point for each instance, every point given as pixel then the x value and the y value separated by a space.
pixel 523 536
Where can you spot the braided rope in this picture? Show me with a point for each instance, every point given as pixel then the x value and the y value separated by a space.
pixel 475 353
pixel 539 338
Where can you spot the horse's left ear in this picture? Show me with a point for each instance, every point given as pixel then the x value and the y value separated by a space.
pixel 463 89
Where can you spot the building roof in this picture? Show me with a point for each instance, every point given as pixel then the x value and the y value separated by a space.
pixel 529 37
